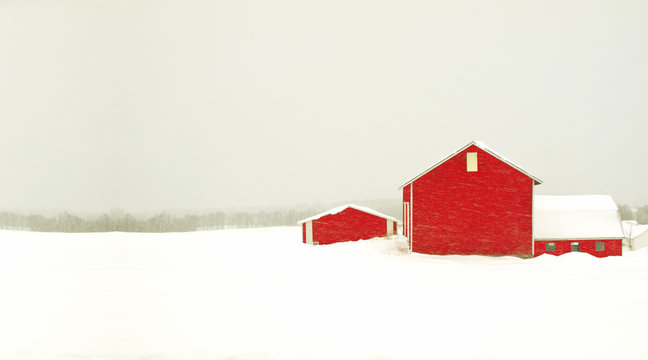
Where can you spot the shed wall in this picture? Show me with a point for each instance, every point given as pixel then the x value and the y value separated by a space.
pixel 348 225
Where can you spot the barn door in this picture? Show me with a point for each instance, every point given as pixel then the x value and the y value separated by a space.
pixel 390 227
pixel 309 232
pixel 406 218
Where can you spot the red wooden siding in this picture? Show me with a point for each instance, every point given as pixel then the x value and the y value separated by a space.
pixel 612 247
pixel 485 212
pixel 348 225
pixel 406 193
pixel 304 233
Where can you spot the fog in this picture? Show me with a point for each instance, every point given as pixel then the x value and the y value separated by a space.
pixel 153 105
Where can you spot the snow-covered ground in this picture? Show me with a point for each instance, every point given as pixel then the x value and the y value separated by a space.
pixel 262 294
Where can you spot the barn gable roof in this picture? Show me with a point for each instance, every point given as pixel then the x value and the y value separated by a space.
pixel 484 147
pixel 576 217
pixel 344 207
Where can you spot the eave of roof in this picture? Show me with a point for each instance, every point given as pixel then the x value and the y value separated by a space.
pixel 484 147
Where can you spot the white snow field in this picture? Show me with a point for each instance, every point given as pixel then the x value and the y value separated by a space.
pixel 262 294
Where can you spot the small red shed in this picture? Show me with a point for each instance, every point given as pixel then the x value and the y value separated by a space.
pixel 474 201
pixel 577 223
pixel 346 223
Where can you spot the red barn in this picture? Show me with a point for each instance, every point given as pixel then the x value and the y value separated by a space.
pixel 346 223
pixel 475 201
pixel 583 223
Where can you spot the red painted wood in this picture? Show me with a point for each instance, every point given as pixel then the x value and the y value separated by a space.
pixel 487 212
pixel 348 225
pixel 406 193
pixel 304 233
pixel 612 247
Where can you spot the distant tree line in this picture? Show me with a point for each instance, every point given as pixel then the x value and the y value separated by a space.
pixel 118 220
pixel 162 222
pixel 638 214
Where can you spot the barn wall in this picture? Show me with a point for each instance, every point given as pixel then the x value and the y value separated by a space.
pixel 488 211
pixel 612 247
pixel 304 233
pixel 347 225
pixel 406 193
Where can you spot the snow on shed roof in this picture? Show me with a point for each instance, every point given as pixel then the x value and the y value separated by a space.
pixel 632 229
pixel 576 217
pixel 338 209
pixel 638 231
pixel 483 146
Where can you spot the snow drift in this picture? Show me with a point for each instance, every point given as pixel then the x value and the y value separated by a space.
pixel 262 294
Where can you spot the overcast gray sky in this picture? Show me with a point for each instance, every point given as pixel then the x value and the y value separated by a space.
pixel 152 105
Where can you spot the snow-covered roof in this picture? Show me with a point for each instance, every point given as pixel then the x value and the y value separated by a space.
pixel 638 231
pixel 576 217
pixel 483 146
pixel 338 209
pixel 632 229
